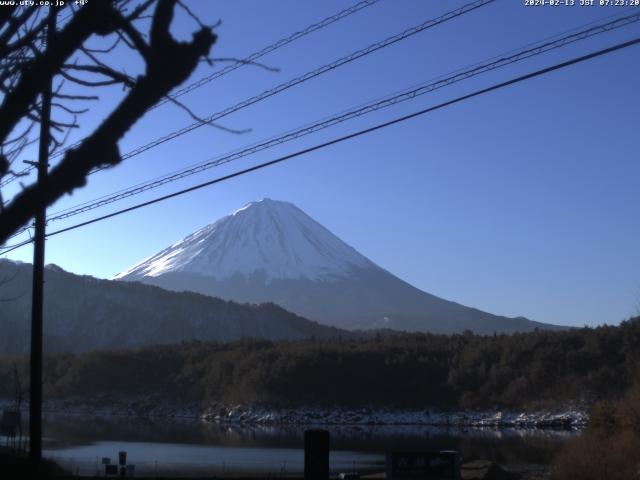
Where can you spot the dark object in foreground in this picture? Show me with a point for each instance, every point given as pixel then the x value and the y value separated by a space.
pixel 16 466
pixel 486 470
pixel 10 423
pixel 316 455
pixel 423 465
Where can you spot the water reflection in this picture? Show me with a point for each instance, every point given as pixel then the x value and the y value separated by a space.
pixel 270 448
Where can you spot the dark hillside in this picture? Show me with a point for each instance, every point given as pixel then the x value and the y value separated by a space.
pixel 83 313
pixel 537 369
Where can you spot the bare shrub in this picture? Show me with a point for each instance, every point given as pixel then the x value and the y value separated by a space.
pixel 610 448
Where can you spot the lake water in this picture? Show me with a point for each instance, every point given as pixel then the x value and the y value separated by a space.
pixel 164 447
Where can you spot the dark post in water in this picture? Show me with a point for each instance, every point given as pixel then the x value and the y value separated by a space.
pixel 316 455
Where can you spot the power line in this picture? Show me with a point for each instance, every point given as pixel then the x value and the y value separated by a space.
pixel 306 77
pixel 444 81
pixel 270 48
pixel 367 108
pixel 309 75
pixel 245 61
pixel 350 136
pixel 16 246
pixel 498 61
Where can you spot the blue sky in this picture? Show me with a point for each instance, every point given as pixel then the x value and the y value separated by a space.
pixel 520 202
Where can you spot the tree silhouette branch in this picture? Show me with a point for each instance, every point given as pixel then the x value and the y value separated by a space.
pixel 168 63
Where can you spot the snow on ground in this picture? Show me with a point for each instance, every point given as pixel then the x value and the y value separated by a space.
pixel 153 406
pixel 568 418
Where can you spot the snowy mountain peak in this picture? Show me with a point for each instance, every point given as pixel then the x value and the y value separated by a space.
pixel 271 251
pixel 267 237
pixel 265 203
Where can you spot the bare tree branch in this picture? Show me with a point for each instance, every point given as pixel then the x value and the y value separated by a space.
pixel 91 19
pixel 168 63
pixel 116 77
pixel 204 121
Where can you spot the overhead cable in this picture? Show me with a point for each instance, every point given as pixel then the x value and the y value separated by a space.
pixel 344 138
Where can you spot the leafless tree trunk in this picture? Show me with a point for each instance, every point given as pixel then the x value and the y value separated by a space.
pixel 27 65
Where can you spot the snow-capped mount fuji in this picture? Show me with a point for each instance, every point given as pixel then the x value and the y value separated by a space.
pixel 274 239
pixel 271 251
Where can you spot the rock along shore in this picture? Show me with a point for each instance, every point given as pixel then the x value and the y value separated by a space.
pixel 560 419
pixel 151 406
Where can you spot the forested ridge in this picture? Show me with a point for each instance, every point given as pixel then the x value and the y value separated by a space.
pixel 528 370
pixel 83 313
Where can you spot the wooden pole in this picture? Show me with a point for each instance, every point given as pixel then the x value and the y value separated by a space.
pixel 35 392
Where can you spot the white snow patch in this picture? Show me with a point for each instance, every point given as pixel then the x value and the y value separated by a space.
pixel 268 236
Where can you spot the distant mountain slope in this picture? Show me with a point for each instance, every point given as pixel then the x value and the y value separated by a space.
pixel 271 251
pixel 84 313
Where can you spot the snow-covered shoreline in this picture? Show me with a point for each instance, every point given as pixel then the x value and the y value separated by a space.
pixel 570 418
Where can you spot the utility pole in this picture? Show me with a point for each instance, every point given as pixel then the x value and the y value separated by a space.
pixel 35 400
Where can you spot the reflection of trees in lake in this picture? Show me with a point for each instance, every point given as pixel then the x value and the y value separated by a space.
pixel 504 446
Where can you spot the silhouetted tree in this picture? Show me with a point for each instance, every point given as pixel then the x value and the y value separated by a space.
pixel 404 370
pixel 20 392
pixel 28 64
